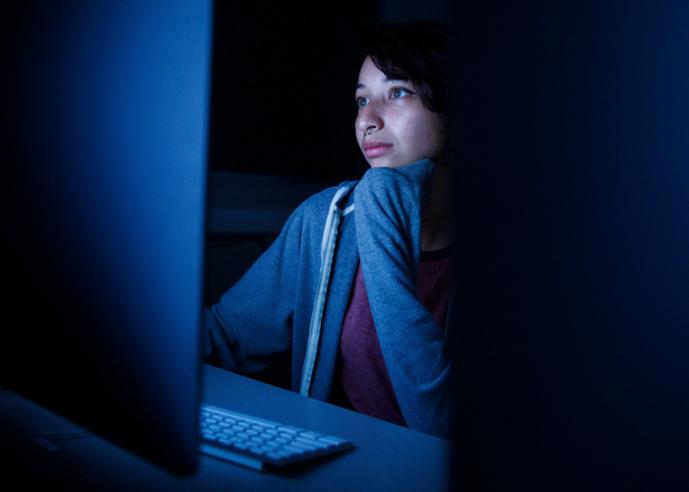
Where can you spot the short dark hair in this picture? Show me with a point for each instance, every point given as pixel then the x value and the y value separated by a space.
pixel 415 51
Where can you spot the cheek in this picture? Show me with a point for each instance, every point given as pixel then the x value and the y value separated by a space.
pixel 420 137
pixel 431 134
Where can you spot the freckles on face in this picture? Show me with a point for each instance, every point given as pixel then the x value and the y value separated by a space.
pixel 390 113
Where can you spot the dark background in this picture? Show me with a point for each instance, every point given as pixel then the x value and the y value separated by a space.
pixel 283 88
pixel 283 84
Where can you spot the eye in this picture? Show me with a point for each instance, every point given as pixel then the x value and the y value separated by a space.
pixel 360 102
pixel 400 92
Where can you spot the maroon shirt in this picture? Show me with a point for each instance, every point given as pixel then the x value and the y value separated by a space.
pixel 361 380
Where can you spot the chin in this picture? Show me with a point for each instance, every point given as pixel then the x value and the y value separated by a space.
pixel 384 163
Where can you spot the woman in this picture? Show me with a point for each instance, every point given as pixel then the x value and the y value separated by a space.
pixel 357 283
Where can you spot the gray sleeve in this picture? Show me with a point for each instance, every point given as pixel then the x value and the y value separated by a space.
pixel 252 321
pixel 388 222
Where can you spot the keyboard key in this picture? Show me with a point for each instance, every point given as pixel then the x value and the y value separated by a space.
pixel 310 434
pixel 332 439
pixel 312 442
pixel 289 429
pixel 300 450
pixel 209 435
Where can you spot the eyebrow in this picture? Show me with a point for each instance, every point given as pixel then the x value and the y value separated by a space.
pixel 386 80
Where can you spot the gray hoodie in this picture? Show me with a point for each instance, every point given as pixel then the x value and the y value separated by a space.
pixel 296 294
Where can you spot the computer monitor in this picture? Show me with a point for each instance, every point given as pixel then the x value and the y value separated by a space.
pixel 107 111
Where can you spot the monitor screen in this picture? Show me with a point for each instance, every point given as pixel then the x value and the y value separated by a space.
pixel 107 120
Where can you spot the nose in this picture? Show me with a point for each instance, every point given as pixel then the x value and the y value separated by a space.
pixel 369 119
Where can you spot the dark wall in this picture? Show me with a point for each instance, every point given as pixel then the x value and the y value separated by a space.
pixel 404 10
pixel 283 88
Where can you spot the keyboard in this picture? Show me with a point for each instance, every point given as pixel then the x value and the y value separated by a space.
pixel 261 444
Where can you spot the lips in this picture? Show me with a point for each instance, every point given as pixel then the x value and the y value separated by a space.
pixel 373 149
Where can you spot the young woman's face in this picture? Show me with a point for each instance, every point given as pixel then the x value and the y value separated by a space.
pixel 392 126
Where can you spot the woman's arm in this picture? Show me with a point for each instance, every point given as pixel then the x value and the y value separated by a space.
pixel 388 221
pixel 251 323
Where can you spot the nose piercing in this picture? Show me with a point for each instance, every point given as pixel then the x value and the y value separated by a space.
pixel 369 130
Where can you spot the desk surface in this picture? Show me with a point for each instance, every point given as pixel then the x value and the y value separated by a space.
pixel 386 456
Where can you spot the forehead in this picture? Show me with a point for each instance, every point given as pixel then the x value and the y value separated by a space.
pixel 370 75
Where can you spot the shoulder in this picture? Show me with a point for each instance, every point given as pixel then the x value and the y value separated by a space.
pixel 305 225
pixel 387 179
pixel 317 205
